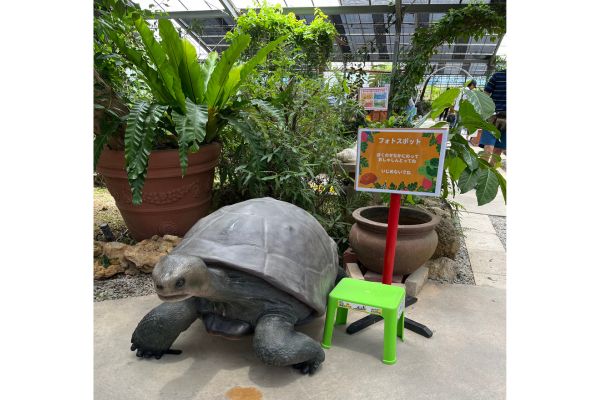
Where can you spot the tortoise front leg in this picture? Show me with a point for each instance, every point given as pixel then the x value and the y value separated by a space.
pixel 157 331
pixel 277 343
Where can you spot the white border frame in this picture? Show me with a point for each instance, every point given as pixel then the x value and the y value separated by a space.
pixel 438 184
pixel 387 89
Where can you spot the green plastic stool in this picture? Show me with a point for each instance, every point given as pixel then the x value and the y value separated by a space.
pixel 370 297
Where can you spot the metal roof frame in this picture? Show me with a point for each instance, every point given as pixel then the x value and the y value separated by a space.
pixel 365 32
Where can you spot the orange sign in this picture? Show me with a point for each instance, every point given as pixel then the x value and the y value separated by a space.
pixel 401 160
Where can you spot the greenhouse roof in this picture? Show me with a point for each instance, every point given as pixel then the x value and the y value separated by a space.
pixel 366 28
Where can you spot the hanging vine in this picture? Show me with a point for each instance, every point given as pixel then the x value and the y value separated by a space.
pixel 475 20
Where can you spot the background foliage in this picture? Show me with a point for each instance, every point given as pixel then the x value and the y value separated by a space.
pixel 475 20
pixel 307 48
pixel 297 123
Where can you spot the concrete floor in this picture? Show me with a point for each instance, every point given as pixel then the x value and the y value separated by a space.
pixel 465 358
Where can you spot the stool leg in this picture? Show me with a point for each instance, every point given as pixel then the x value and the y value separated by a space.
pixel 400 328
pixel 342 316
pixel 329 322
pixel 390 318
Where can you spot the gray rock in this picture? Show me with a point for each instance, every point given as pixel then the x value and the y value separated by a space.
pixel 442 269
pixel 448 239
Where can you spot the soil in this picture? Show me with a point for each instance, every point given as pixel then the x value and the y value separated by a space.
pixel 106 212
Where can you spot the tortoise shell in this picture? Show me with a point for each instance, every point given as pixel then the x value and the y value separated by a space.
pixel 274 240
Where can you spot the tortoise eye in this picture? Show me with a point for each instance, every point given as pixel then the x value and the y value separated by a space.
pixel 180 283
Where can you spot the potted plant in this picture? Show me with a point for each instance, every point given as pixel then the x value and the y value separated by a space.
pixel 162 178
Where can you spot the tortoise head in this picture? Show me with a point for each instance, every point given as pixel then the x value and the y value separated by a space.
pixel 177 277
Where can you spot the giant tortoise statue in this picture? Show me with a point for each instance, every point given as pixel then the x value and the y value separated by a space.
pixel 261 266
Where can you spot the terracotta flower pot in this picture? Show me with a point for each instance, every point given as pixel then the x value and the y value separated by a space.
pixel 171 204
pixel 416 243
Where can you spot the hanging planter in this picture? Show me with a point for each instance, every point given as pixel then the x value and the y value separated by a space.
pixel 416 238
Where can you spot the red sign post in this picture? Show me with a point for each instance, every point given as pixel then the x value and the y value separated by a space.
pixel 399 161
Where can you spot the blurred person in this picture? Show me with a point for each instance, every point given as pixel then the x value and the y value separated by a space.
pixel 496 89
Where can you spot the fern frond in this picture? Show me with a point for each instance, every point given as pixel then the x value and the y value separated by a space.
pixel 139 138
pixel 190 128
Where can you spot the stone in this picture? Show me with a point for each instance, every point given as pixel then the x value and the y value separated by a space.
pixel 173 239
pixel 98 248
pixel 102 272
pixel 442 269
pixel 354 271
pixel 415 281
pixel 145 254
pixel 350 256
pixel 115 252
pixel 347 155
pixel 375 277
pixel 448 239
pixel 131 270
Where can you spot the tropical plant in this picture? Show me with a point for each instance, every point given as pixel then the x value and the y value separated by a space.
pixel 286 150
pixel 190 102
pixel 463 168
pixel 474 20
pixel 307 46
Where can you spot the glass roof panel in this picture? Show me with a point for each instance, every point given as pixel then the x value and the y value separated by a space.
pixel 363 36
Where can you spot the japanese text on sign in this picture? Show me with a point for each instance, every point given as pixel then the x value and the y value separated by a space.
pixel 401 160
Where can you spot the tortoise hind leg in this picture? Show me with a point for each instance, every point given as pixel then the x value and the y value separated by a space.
pixel 157 331
pixel 277 343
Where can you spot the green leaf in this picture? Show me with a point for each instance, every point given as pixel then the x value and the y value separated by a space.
pixel 487 186
pixel 208 67
pixel 455 167
pixel 446 99
pixel 171 43
pixel 483 104
pixel 440 124
pixel 157 86
pixel 467 180
pixel 193 81
pixel 191 129
pixel 219 76
pixel 139 138
pixel 472 121
pixel 469 157
pixel 502 183
pixel 158 56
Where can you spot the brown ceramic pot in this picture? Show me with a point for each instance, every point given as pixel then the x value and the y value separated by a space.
pixel 171 204
pixel 416 243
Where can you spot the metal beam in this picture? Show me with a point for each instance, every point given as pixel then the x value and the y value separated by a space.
pixel 194 35
pixel 335 10
pixel 230 8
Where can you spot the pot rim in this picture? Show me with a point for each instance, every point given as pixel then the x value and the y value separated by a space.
pixel 402 229
pixel 167 151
